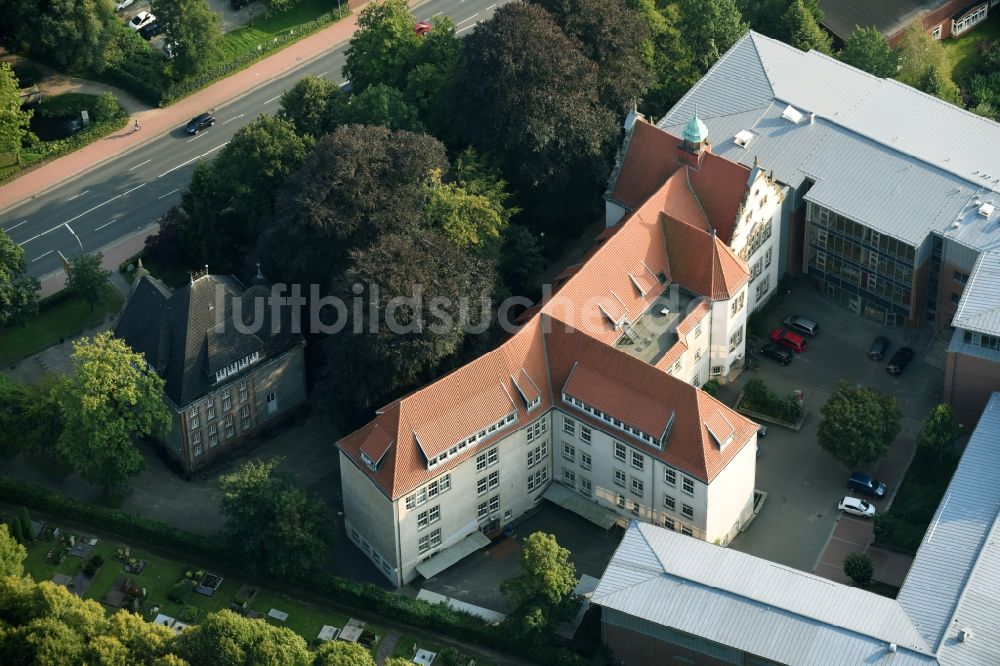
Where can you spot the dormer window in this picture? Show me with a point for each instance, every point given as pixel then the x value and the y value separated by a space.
pixel 237 366
pixel 371 464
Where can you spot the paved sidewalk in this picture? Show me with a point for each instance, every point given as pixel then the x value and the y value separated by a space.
pixel 57 83
pixel 156 122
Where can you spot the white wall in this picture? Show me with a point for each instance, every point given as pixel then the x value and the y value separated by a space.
pixel 613 213
pixel 370 514
pixel 764 201
pixel 730 494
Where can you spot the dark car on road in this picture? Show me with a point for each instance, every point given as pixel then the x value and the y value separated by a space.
pixel 802 325
pixel 151 30
pixel 867 485
pixel 778 353
pixel 899 361
pixel 198 123
pixel 879 348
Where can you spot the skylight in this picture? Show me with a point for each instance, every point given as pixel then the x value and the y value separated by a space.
pixel 744 137
pixel 792 114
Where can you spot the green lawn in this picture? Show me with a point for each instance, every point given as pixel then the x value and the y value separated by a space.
pixel 245 39
pixel 63 320
pixel 917 499
pixel 962 50
pixel 159 577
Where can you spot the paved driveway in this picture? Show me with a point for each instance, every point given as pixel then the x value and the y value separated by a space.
pixel 803 482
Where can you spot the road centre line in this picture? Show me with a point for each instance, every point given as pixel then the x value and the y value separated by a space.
pixel 272 99
pixel 105 225
pixel 196 136
pixel 233 118
pixel 77 195
pixel 130 191
pixel 468 19
pixel 8 229
pixel 141 163
pixel 42 256
pixel 196 157
pixel 176 189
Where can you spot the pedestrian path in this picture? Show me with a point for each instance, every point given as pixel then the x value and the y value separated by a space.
pixel 386 647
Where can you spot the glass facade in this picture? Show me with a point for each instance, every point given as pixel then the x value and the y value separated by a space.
pixel 869 273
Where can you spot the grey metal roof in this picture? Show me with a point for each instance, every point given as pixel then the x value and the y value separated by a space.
pixel 902 162
pixel 760 607
pixel 889 16
pixel 954 583
pixel 979 310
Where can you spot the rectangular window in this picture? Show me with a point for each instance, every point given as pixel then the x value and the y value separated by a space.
pixel 444 484
pixel 669 503
pixel 585 461
pixel 243 391
pixel 585 488
pixel 635 508
pixel 435 538
pixel 767 258
pixel 637 486
pixel 494 504
pixel 569 452
pixel 569 477
pixel 421 520
pixel 246 424
pixel 620 451
pixel 736 339
pixel 213 440
pixel 670 476
pixel 227 401
pixel 432 489
pixel 638 460
pixel 569 425
pixel 493 456
pixel 434 514
pixel 585 433
pixel 483 510
pixel 245 412
pixel 421 496
pixel 697 331
pixel 621 500
pixel 481 486
pixel 537 479
pixel 738 303
pixel 686 531
pixel 620 478
pixel 193 418
pixel 480 462
pixel 424 544
pixel 210 408
pixel 536 429
pixel 196 438
pixel 687 510
pixel 688 486
pixel 197 451
pixel 229 426
pixel 411 502
pixel 668 523
pixel 494 479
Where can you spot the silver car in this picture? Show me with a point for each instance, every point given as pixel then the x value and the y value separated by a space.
pixel 802 325
pixel 857 507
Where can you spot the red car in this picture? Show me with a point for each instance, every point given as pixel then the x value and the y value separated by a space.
pixel 786 338
pixel 422 28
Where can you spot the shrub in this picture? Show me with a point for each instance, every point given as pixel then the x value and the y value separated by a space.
pixel 859 568
pixel 712 388
pixel 180 591
pixel 759 398
pixel 97 561
pixel 25 519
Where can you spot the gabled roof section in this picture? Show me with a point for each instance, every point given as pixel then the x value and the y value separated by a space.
pixel 954 583
pixel 979 309
pixel 763 608
pixel 701 262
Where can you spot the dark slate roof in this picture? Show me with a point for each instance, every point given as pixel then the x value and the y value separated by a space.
pixel 189 334
pixel 890 16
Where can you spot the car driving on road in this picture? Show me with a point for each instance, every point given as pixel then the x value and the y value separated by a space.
pixel 857 507
pixel 198 123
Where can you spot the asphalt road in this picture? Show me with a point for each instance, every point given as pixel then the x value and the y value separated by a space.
pixel 126 195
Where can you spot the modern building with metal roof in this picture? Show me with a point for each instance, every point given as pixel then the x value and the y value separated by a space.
pixel 891 189
pixel 669 599
pixel 940 18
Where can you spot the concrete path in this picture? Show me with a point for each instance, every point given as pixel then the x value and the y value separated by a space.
pixel 386 647
pixel 57 83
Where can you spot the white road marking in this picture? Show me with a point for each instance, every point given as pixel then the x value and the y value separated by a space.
pixel 141 163
pixel 196 157
pixel 176 189
pixel 70 229
pixel 130 191
pixel 42 256
pixel 233 118
pixel 78 195
pixel 196 136
pixel 108 224
pixel 438 14
pixel 323 73
pixel 48 231
pixel 490 7
pixel 468 27
pixel 468 19
pixel 272 99
pixel 15 226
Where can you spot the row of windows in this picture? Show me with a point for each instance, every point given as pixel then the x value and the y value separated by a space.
pixel 982 340
pixel 671 504
pixel 487 459
pixel 569 425
pixel 758 266
pixel 239 365
pixel 621 453
pixel 758 236
pixel 537 428
pixel 671 525
pixel 431 515
pixel 429 492
pixel 849 275
pixel 538 454
pixel 569 453
pixel 430 540
pixel 197 449
pixel 670 478
pixel 471 440
pixel 488 483
pixel 859 258
pixel 737 304
pixel 380 561
pixel 489 507
pixel 823 218
pixel 194 415
pixel 538 479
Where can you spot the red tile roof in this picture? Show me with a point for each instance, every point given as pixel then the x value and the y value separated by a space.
pixel 701 262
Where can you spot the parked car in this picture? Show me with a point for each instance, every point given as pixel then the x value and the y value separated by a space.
pixel 778 353
pixel 141 20
pixel 802 325
pixel 866 484
pixel 422 28
pixel 899 361
pixel 151 30
pixel 122 4
pixel 880 347
pixel 787 338
pixel 857 507
pixel 198 123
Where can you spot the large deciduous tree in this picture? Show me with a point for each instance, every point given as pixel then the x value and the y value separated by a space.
pixel 612 34
pixel 709 28
pixel 803 29
pixel 29 416
pixel 545 583
pixel 526 91
pixel 306 105
pixel 670 60
pixel 195 32
pixel 87 279
pixel 358 183
pixel 939 431
pixel 12 554
pixel 18 291
pixel 230 639
pixel 868 49
pixel 13 119
pixel 378 104
pixel 340 653
pixel 383 47
pixel 111 397
pixel 858 424
pixel 271 523
pixel 421 290
pixel 919 53
pixel 227 198
pixel 74 34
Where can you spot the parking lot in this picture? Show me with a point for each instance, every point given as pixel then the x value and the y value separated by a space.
pixel 803 482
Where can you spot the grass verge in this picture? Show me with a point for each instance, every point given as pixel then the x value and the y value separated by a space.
pixel 962 51
pixel 63 320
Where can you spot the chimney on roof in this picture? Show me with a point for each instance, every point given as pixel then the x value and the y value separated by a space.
pixel 892 647
pixel 812 117
pixel 964 635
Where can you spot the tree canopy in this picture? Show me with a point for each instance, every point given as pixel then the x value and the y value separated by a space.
pixel 383 47
pixel 923 62
pixel 12 554
pixel 18 291
pixel 709 28
pixel 547 576
pixel 803 29
pixel 670 60
pixel 305 105
pixel 13 119
pixel 867 49
pixel 939 431
pixel 87 279
pixel 271 523
pixel 110 397
pixel 194 30
pixel 225 638
pixel 341 653
pixel 859 568
pixel 858 424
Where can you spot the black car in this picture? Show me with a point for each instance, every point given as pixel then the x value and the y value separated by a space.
pixel 199 123
pixel 777 352
pixel 866 484
pixel 879 348
pixel 899 360
pixel 150 31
